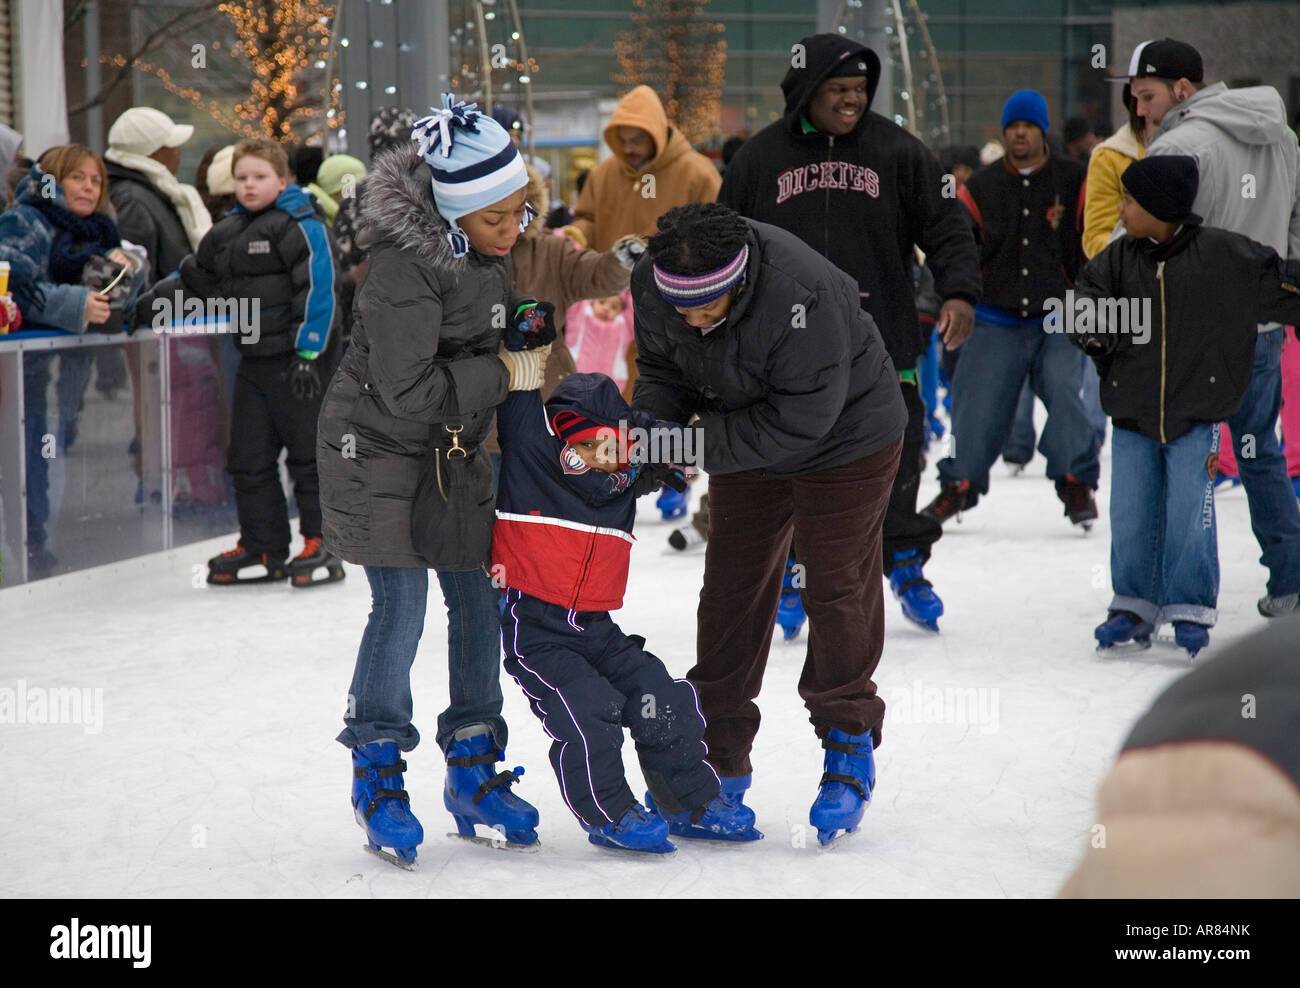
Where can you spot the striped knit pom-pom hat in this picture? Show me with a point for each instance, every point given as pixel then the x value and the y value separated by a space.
pixel 474 164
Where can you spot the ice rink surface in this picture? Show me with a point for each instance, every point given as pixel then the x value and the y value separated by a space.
pixel 213 771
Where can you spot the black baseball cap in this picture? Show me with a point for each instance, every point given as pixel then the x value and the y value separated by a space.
pixel 1164 58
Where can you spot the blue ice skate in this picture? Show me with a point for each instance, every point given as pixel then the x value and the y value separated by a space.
pixel 1123 626
pixel 381 804
pixel 726 817
pixel 1191 636
pixel 474 795
pixel 672 504
pixel 636 830
pixel 847 781
pixel 790 614
pixel 921 605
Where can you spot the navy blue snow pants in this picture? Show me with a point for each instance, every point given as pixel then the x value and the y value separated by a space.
pixel 586 681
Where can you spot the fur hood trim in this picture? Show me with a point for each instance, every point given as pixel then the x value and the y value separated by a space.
pixel 398 206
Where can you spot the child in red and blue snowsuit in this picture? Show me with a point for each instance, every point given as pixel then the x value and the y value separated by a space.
pixel 561 545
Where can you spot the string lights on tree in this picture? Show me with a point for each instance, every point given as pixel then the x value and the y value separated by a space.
pixel 282 48
pixel 680 55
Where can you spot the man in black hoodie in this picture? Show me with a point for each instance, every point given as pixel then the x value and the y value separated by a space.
pixel 863 192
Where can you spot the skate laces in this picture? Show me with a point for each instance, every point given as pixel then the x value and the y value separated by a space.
pixel 311 546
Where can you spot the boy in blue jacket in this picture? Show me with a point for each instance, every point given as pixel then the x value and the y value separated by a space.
pixel 560 547
pixel 269 267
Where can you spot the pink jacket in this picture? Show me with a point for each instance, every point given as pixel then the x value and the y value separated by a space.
pixel 599 347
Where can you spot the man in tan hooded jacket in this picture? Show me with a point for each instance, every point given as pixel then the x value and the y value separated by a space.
pixel 650 172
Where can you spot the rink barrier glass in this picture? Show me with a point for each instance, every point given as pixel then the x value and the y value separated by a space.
pixel 111 447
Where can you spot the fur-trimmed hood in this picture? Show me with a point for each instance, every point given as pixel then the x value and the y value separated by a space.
pixel 539 197
pixel 398 206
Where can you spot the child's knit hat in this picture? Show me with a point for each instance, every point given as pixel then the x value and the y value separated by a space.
pixel 1165 186
pixel 474 164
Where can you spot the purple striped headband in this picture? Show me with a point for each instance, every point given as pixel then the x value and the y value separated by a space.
pixel 689 291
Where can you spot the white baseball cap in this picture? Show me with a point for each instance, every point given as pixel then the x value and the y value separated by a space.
pixel 143 130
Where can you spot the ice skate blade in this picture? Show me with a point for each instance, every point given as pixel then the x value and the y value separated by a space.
pixel 828 839
pixel 392 859
pixel 246 581
pixel 1119 648
pixel 306 580
pixel 931 627
pixel 499 843
pixel 705 837
pixel 646 853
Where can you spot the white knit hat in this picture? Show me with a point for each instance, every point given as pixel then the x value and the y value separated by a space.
pixel 143 130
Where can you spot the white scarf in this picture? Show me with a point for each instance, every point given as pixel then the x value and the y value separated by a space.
pixel 189 204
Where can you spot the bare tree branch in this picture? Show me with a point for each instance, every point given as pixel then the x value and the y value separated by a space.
pixel 186 20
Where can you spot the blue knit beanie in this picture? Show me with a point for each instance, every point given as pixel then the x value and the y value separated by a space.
pixel 474 164
pixel 1025 104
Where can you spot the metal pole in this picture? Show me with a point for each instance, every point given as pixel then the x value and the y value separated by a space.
pixel 909 90
pixel 90 40
pixel 528 86
pixel 485 61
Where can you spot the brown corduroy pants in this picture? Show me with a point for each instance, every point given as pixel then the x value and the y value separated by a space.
pixel 835 517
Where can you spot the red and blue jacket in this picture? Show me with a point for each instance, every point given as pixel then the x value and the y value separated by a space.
pixel 563 530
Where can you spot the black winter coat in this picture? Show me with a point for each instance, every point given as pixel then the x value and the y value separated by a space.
pixel 861 200
pixel 1030 230
pixel 422 360
pixel 145 217
pixel 281 257
pixel 794 381
pixel 1207 289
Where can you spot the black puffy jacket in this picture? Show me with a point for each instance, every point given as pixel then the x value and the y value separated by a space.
pixel 422 358
pixel 145 217
pixel 281 258
pixel 862 199
pixel 1207 289
pixel 794 381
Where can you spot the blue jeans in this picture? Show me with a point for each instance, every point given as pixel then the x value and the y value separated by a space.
pixel 1274 515
pixel 1092 401
pixel 1020 444
pixel 1164 554
pixel 379 701
pixel 986 388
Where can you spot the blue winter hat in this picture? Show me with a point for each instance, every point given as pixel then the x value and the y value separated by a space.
pixel 473 160
pixel 1025 104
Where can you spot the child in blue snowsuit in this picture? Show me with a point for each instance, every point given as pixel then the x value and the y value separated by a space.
pixel 561 545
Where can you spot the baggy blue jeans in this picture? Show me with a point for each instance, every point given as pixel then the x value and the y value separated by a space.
pixel 1164 554
pixel 1274 510
pixel 986 389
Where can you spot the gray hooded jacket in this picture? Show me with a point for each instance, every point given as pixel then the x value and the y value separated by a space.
pixel 1248 160
pixel 423 356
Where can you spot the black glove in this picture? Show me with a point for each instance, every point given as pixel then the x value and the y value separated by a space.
pixel 655 475
pixel 303 378
pixel 536 321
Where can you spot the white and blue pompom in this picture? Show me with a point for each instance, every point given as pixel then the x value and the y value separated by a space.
pixel 435 130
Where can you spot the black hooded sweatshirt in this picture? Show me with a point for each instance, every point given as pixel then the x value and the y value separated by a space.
pixel 862 199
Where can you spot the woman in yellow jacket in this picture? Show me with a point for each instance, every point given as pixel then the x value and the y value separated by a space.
pixel 1108 161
